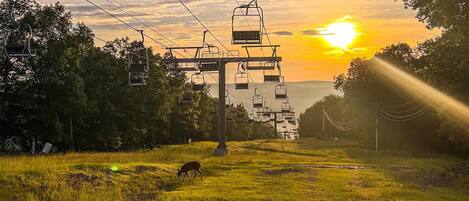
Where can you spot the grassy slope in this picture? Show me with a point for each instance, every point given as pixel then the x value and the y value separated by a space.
pixel 258 170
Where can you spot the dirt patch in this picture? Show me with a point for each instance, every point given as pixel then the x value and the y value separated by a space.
pixel 446 177
pixel 142 168
pixel 77 179
pixel 281 171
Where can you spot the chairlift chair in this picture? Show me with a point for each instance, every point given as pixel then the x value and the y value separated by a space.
pixel 257 100
pixel 290 116
pixel 241 78
pixel 280 119
pixel 138 69
pixel 186 98
pixel 227 101
pixel 286 107
pixel 281 92
pixel 198 82
pixel 247 24
pixel 207 51
pixel 272 76
pixel 18 42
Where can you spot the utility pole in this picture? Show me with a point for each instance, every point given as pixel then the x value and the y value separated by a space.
pixel 323 123
pixel 376 131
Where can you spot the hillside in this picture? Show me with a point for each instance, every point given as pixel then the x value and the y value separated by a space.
pixel 257 170
pixel 302 94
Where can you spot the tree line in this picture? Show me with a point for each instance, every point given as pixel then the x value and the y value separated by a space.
pixel 442 62
pixel 76 95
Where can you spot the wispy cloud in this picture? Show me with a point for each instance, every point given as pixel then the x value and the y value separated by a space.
pixel 282 33
pixel 315 32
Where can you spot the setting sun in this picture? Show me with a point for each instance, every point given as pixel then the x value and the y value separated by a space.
pixel 340 34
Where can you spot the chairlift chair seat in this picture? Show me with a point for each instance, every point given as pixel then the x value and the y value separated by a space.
pixel 272 78
pixel 208 66
pixel 17 51
pixel 198 87
pixel 137 78
pixel 242 85
pixel 137 68
pixel 247 37
pixel 186 99
pixel 258 105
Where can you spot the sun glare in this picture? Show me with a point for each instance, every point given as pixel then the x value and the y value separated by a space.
pixel 340 34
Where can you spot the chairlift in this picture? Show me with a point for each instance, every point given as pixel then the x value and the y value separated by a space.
pixel 290 116
pixel 247 24
pixel 257 100
pixel 18 42
pixel 186 98
pixel 138 69
pixel 281 91
pixel 272 76
pixel 280 119
pixel 266 113
pixel 198 82
pixel 241 78
pixel 227 101
pixel 286 107
pixel 210 52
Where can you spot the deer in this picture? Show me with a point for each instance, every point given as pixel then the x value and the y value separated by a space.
pixel 190 166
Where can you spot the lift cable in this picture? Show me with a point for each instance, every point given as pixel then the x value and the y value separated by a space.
pixel 130 26
pixel 143 23
pixel 206 29
pixel 100 39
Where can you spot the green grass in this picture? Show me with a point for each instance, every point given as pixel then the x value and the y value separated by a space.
pixel 258 170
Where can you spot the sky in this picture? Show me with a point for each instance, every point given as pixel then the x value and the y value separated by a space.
pixel 296 25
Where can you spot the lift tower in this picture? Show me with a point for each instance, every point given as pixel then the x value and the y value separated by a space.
pixel 222 61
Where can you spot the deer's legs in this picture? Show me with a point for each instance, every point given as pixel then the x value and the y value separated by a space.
pixel 195 175
pixel 199 173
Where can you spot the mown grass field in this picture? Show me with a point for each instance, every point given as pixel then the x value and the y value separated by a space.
pixel 258 170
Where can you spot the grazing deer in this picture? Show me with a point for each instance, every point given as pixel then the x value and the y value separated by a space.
pixel 194 165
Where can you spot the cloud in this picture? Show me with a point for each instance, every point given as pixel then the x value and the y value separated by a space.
pixel 315 32
pixel 282 33
pixel 183 37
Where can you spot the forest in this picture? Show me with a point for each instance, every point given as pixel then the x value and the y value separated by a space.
pixel 76 96
pixel 441 62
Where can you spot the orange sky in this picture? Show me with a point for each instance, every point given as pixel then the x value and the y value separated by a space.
pixel 378 22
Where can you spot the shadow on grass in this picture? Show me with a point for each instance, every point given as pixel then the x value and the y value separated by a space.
pixel 258 148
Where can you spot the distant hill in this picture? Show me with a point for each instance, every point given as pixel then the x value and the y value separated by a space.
pixel 302 94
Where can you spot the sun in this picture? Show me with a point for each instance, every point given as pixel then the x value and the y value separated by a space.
pixel 340 34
